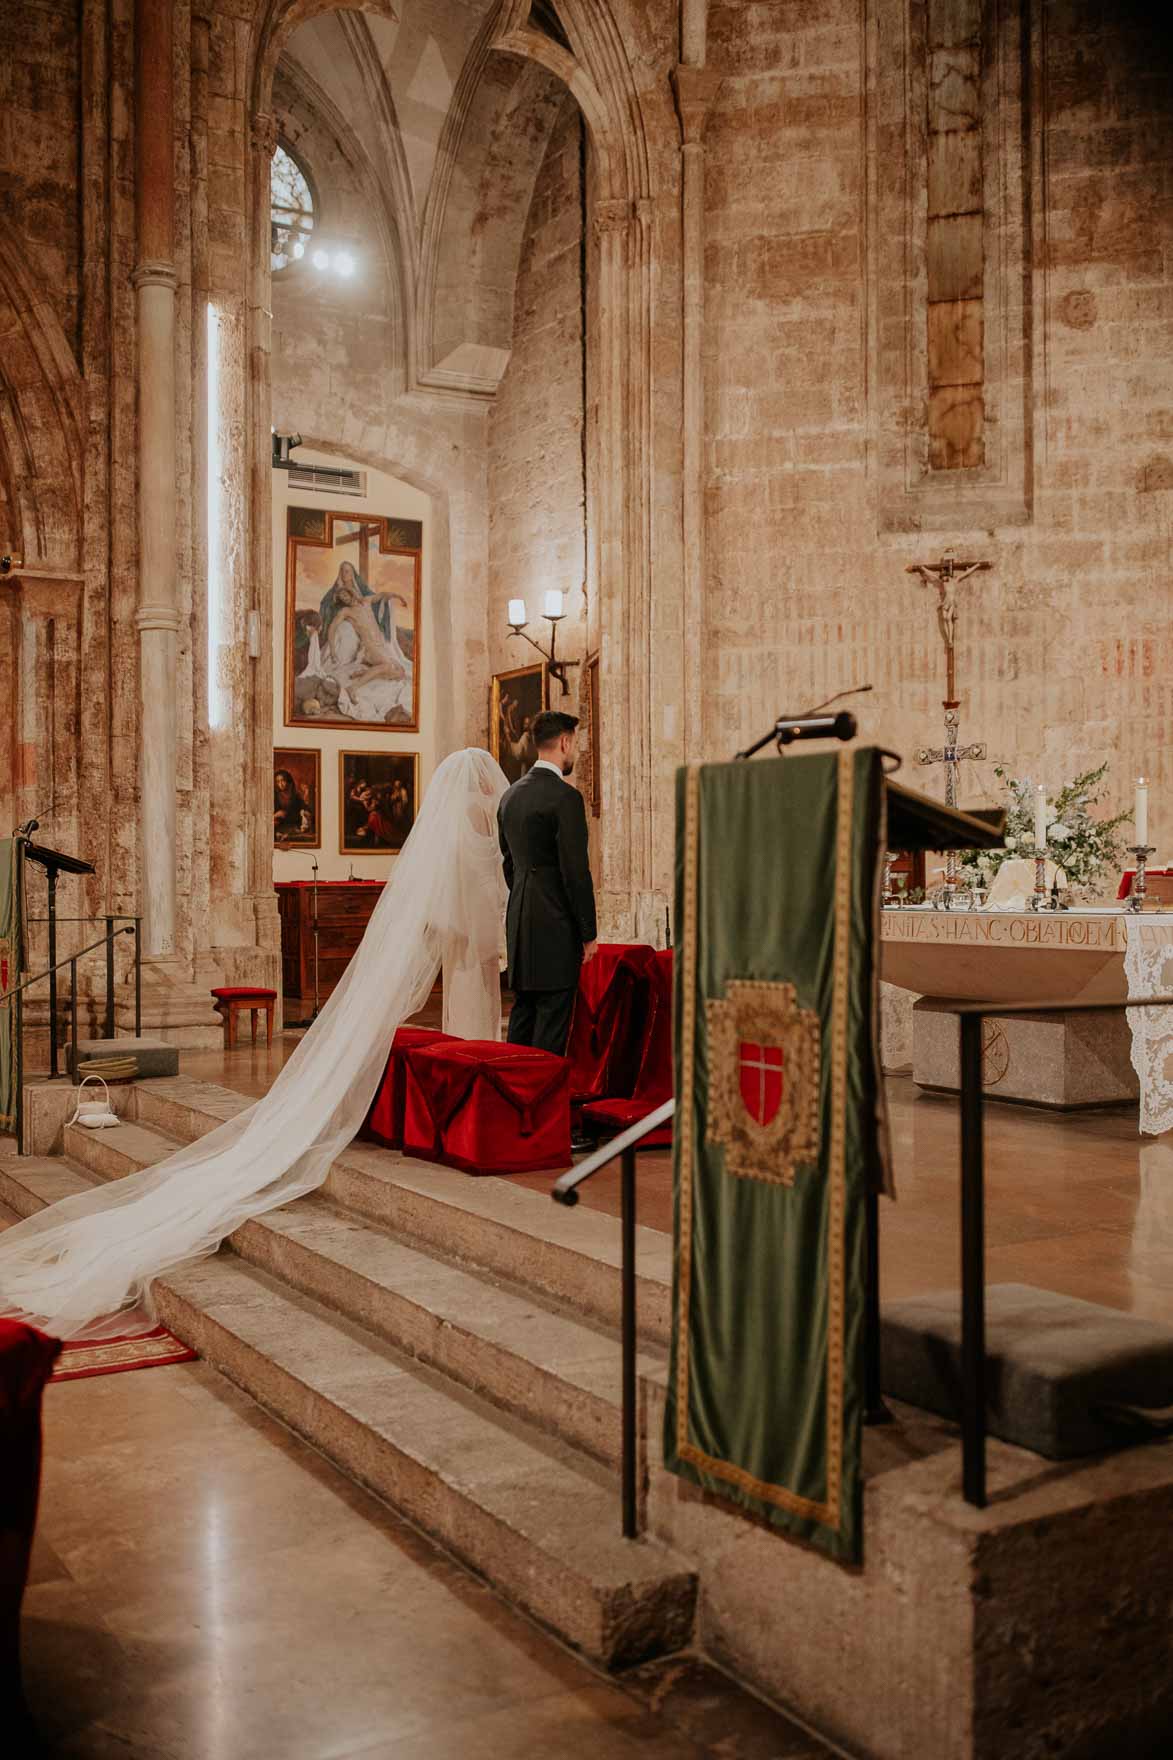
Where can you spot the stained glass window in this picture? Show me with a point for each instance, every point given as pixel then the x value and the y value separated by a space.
pixel 291 210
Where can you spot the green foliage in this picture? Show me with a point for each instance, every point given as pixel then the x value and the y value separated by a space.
pixel 1083 846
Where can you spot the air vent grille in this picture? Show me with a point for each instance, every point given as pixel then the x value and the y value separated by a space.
pixel 328 480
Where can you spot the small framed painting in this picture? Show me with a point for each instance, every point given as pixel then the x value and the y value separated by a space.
pixel 516 699
pixel 297 799
pixel 352 619
pixel 378 793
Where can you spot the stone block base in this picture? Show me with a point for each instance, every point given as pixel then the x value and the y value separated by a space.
pixel 1064 1060
pixel 1039 1626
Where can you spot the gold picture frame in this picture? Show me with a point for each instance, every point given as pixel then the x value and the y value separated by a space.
pixel 291 807
pixel 379 824
pixel 380 558
pixel 515 698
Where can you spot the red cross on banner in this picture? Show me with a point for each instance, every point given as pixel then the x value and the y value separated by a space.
pixel 761 1080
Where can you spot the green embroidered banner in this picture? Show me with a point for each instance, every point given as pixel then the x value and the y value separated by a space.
pixel 778 1133
pixel 11 943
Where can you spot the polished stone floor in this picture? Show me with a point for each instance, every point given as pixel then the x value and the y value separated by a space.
pixel 207 1587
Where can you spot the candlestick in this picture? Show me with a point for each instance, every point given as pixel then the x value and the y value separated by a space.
pixel 1136 897
pixel 1040 817
pixel 1140 812
pixel 1038 900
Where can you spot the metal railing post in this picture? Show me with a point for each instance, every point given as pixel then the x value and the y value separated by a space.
pixel 18 1066
pixel 630 1513
pixel 73 1018
pixel 973 1267
pixel 109 977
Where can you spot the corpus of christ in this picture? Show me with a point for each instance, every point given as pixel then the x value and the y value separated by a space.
pixel 586 879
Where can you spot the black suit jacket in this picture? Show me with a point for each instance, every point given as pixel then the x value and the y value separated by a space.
pixel 543 830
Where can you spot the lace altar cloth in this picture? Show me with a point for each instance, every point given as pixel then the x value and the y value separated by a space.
pixel 1148 968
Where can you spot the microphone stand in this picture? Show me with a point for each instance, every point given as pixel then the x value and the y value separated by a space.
pixel 317 998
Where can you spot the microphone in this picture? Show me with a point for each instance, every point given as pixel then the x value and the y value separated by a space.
pixel 34 824
pixel 811 725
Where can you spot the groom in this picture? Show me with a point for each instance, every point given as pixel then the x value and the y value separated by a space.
pixel 550 923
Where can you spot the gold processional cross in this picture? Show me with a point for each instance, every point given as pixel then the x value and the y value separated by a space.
pixel 945 577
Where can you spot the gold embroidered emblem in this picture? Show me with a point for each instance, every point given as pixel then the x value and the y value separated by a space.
pixel 764 1080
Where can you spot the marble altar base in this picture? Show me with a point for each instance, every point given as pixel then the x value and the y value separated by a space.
pixel 1066 1061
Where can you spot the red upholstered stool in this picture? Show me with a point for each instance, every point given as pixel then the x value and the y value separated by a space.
pixel 384 1122
pixel 238 999
pixel 610 1019
pixel 486 1107
pixel 654 1083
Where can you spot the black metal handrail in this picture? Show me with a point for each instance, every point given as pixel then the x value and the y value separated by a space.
pixel 131 926
pixel 565 1191
pixel 973 1250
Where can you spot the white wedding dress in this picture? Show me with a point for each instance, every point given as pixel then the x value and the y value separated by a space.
pixel 72 1268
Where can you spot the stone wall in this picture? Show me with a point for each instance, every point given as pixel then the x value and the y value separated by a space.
pixel 821 482
pixel 536 472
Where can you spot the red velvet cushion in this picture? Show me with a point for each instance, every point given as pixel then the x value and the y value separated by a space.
pixel 237 992
pixel 486 1107
pixel 610 1021
pixel 384 1122
pixel 26 1362
pixel 606 1118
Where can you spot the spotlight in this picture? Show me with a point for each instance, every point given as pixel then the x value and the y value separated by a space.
pixel 344 263
pixel 321 260
pixel 299 249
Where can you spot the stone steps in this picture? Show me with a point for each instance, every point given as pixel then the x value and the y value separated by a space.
pixel 555 1371
pixel 571 1257
pixel 489 1420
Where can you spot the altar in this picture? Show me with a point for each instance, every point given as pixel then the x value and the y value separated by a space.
pixel 1064 1059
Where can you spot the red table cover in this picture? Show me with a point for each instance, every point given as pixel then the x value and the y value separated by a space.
pixel 1124 889
pixel 384 1122
pixel 487 1107
pixel 654 1083
pixel 26 1363
pixel 610 1021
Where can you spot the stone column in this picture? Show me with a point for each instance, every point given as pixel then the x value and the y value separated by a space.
pixel 157 617
pixel 695 87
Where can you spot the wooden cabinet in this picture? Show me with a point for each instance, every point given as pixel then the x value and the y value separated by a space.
pixel 344 909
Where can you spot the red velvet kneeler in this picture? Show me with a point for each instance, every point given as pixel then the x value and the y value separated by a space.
pixel 654 1084
pixel 384 1122
pixel 486 1107
pixel 610 1020
pixel 26 1363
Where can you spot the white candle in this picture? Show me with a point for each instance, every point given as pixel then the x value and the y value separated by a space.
pixel 552 605
pixel 1140 812
pixel 517 611
pixel 1040 818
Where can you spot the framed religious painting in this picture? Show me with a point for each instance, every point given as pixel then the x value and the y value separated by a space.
pixel 297 798
pixel 516 699
pixel 377 799
pixel 352 619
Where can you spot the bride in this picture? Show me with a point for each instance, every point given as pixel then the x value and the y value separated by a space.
pixel 73 1266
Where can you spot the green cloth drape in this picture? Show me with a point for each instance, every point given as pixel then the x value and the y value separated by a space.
pixel 11 946
pixel 778 1133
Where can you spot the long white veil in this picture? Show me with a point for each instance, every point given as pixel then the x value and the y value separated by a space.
pixel 70 1268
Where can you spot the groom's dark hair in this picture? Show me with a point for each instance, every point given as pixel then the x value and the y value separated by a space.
pixel 550 725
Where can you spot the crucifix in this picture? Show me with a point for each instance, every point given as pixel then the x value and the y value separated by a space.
pixel 945 577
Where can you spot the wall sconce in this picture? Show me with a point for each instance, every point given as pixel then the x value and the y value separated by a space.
pixel 553 610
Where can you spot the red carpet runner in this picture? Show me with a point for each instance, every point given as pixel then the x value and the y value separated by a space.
pixel 114 1356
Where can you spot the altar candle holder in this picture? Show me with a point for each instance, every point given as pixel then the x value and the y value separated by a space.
pixel 1039 896
pixel 888 896
pixel 1136 897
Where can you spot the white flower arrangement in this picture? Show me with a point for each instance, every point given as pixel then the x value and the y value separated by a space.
pixel 1084 847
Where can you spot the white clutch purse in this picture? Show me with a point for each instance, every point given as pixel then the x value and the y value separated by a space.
pixel 96 1114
